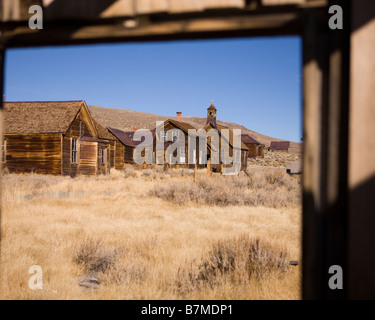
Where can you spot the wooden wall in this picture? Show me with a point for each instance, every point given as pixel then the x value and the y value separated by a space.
pixel 77 127
pixel 87 158
pixel 260 151
pixel 128 154
pixel 253 150
pixel 33 153
pixel 119 155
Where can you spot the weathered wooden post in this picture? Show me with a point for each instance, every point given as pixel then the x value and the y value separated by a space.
pixel 195 173
pixel 208 167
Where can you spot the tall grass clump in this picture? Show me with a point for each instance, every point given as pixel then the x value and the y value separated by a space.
pixel 93 257
pixel 238 260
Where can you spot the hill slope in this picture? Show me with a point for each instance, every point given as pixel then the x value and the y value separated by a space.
pixel 126 120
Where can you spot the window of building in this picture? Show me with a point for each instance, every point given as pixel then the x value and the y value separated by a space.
pixel 174 135
pixel 163 136
pixel 3 151
pixel 182 155
pixel 74 150
pixel 102 155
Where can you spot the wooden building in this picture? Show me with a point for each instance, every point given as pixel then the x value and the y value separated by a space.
pixel 124 146
pixel 280 146
pixel 256 149
pixel 242 150
pixel 55 138
pixel 168 133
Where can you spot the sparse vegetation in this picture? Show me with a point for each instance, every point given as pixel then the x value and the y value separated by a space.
pixel 270 188
pixel 234 261
pixel 275 159
pixel 139 246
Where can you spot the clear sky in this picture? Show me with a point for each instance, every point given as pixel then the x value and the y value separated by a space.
pixel 254 82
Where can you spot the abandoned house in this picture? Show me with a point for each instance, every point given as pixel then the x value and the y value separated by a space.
pixel 125 146
pixel 169 133
pixel 239 155
pixel 256 149
pixel 280 146
pixel 55 138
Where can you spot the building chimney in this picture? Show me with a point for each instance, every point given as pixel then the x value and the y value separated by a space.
pixel 134 129
pixel 179 116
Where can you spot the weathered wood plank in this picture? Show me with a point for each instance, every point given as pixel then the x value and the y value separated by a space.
pixel 361 279
pixel 38 153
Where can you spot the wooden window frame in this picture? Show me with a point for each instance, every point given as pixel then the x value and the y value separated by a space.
pixel 74 151
pixel 3 151
pixel 102 156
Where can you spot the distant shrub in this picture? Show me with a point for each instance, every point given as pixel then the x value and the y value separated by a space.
pixel 273 188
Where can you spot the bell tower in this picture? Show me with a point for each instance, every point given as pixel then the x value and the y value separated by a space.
pixel 211 114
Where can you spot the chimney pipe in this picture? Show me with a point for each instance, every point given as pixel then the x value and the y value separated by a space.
pixel 179 116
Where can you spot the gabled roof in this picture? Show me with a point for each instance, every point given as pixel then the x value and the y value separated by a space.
pixel 184 126
pixel 102 132
pixel 126 137
pixel 248 139
pixel 280 145
pixel 35 117
pixel 219 128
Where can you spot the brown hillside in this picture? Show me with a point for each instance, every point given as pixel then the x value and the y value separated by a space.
pixel 126 120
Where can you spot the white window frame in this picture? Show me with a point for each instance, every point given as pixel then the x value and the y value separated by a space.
pixel 183 155
pixel 163 136
pixel 175 135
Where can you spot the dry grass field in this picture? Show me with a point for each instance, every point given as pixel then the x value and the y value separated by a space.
pixel 146 234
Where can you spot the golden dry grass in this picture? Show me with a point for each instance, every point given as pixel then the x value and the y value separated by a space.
pixel 275 159
pixel 137 245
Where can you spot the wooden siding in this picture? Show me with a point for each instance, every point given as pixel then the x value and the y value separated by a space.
pixel 78 126
pixel 253 150
pixel 169 126
pixel 112 154
pixel 87 158
pixel 260 151
pixel 128 154
pixel 33 153
pixel 119 155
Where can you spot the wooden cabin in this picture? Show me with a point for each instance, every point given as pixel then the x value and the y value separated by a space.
pixel 256 149
pixel 55 138
pixel 243 150
pixel 124 146
pixel 280 146
pixel 166 134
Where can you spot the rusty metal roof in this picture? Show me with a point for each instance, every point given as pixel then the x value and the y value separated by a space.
pixel 280 145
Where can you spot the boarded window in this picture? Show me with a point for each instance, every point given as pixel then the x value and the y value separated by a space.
pixel 102 156
pixel 3 151
pixel 74 150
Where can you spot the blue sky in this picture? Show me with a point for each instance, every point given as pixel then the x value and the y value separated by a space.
pixel 254 82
